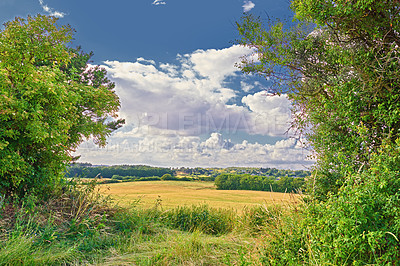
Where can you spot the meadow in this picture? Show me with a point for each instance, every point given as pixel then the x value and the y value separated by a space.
pixel 173 223
pixel 172 194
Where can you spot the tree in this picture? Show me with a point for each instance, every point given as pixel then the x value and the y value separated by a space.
pixel 339 66
pixel 50 101
pixel 167 177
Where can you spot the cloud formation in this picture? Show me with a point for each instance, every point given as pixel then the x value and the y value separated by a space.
pixel 51 11
pixel 248 5
pixel 189 98
pixel 159 2
pixel 178 114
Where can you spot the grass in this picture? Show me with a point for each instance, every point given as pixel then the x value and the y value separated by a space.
pixel 177 193
pixel 172 247
pixel 82 227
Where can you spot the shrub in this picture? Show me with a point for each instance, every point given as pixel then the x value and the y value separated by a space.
pixel 361 224
pixel 167 177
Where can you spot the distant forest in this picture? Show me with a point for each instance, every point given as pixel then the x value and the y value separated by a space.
pixel 87 170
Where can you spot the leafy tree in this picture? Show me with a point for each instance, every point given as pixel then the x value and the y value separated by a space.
pixel 167 177
pixel 339 66
pixel 50 101
pixel 338 63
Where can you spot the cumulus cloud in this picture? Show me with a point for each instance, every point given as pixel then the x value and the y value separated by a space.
pixel 159 2
pixel 177 115
pixel 142 60
pixel 51 11
pixel 218 64
pixel 248 5
pixel 271 113
pixel 189 98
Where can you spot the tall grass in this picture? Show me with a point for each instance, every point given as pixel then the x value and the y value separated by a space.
pixel 200 218
pixel 83 227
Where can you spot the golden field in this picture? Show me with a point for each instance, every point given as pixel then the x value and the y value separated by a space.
pixel 178 193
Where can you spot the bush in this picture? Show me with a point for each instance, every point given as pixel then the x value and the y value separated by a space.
pixel 168 177
pixel 361 224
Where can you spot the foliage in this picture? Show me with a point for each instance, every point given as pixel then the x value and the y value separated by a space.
pixel 86 170
pixel 167 177
pixel 341 74
pixel 361 223
pixel 50 100
pixel 209 174
pixel 260 183
pixel 135 178
pixel 339 64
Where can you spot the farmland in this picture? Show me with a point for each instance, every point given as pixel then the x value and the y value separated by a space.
pixel 178 193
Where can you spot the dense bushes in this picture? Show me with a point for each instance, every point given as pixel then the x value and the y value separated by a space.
pixel 361 224
pixel 260 183
pixel 358 225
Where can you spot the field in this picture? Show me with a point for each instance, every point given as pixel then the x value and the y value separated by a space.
pixel 179 193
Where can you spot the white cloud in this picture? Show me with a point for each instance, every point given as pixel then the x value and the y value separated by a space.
pixel 141 59
pixel 159 2
pixel 178 113
pixel 218 64
pixel 271 113
pixel 51 11
pixel 189 98
pixel 248 5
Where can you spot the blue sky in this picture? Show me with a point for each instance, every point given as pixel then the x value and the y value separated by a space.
pixel 184 101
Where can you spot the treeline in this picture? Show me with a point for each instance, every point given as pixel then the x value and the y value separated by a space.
pixel 150 178
pixel 272 172
pixel 232 178
pixel 259 183
pixel 87 170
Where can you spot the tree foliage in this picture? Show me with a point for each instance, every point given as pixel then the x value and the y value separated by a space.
pixel 50 101
pixel 338 62
pixel 258 183
pixel 89 171
pixel 339 65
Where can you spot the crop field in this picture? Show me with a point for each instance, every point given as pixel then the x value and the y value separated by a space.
pixel 179 193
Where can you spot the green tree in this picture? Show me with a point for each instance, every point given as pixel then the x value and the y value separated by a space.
pixel 50 101
pixel 339 66
pixel 338 63
pixel 167 177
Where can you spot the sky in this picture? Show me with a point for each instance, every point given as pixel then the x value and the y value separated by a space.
pixel 184 101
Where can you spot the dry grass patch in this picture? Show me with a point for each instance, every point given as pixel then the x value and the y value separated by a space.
pixel 178 193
